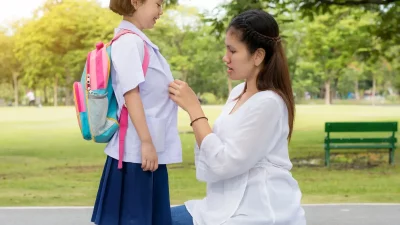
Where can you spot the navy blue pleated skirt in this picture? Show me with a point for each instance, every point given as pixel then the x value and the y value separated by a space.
pixel 132 196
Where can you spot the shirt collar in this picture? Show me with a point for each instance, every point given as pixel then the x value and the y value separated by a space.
pixel 130 26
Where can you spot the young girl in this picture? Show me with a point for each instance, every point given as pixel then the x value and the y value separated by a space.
pixel 138 194
pixel 245 159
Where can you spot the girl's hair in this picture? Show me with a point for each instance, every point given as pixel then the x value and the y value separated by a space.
pixel 122 7
pixel 258 29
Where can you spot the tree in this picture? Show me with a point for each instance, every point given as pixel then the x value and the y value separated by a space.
pixel 57 42
pixel 388 10
pixel 193 54
pixel 10 66
pixel 332 43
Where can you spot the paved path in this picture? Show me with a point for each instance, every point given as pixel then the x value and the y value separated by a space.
pixel 334 214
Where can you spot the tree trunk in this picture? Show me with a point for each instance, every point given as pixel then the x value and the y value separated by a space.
pixel 15 85
pixel 68 94
pixel 328 92
pixel 373 90
pixel 356 91
pixel 296 56
pixel 46 99
pixel 333 94
pixel 184 75
pixel 55 95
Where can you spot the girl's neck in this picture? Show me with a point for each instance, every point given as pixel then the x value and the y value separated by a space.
pixel 133 21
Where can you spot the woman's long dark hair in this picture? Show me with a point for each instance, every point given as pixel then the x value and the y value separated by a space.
pixel 259 29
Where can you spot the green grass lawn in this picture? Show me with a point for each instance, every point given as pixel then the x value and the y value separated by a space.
pixel 44 160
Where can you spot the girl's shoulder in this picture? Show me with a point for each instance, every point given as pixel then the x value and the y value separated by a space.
pixel 127 46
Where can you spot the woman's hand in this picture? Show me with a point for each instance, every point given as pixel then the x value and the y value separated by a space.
pixel 183 95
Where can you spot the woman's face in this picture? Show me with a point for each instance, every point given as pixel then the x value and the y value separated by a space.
pixel 238 59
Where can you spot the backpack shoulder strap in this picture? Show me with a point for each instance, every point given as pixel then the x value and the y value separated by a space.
pixel 146 58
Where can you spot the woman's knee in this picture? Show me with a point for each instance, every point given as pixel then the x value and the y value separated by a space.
pixel 180 216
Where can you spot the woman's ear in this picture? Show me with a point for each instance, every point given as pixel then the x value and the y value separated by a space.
pixel 259 56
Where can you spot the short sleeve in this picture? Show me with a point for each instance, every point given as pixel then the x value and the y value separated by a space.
pixel 127 56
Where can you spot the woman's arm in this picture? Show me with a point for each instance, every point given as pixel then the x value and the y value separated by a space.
pixel 184 96
pixel 201 127
pixel 249 139
pixel 253 135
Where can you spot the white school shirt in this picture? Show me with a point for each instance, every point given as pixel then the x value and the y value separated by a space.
pixel 246 165
pixel 161 112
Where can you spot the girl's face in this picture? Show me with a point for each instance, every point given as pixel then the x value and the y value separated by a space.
pixel 147 12
pixel 240 63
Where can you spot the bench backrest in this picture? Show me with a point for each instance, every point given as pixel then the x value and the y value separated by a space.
pixel 361 127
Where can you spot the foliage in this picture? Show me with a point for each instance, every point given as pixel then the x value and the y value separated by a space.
pixel 333 47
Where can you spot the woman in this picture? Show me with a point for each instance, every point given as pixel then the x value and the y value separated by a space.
pixel 245 160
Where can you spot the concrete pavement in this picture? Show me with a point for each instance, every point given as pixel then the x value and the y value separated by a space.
pixel 330 214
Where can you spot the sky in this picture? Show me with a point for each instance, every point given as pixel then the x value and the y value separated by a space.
pixel 11 10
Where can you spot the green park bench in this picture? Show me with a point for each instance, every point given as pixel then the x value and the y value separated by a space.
pixel 360 142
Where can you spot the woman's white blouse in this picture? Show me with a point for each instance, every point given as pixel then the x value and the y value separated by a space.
pixel 246 165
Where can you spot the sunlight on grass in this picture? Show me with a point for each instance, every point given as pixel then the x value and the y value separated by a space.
pixel 44 160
